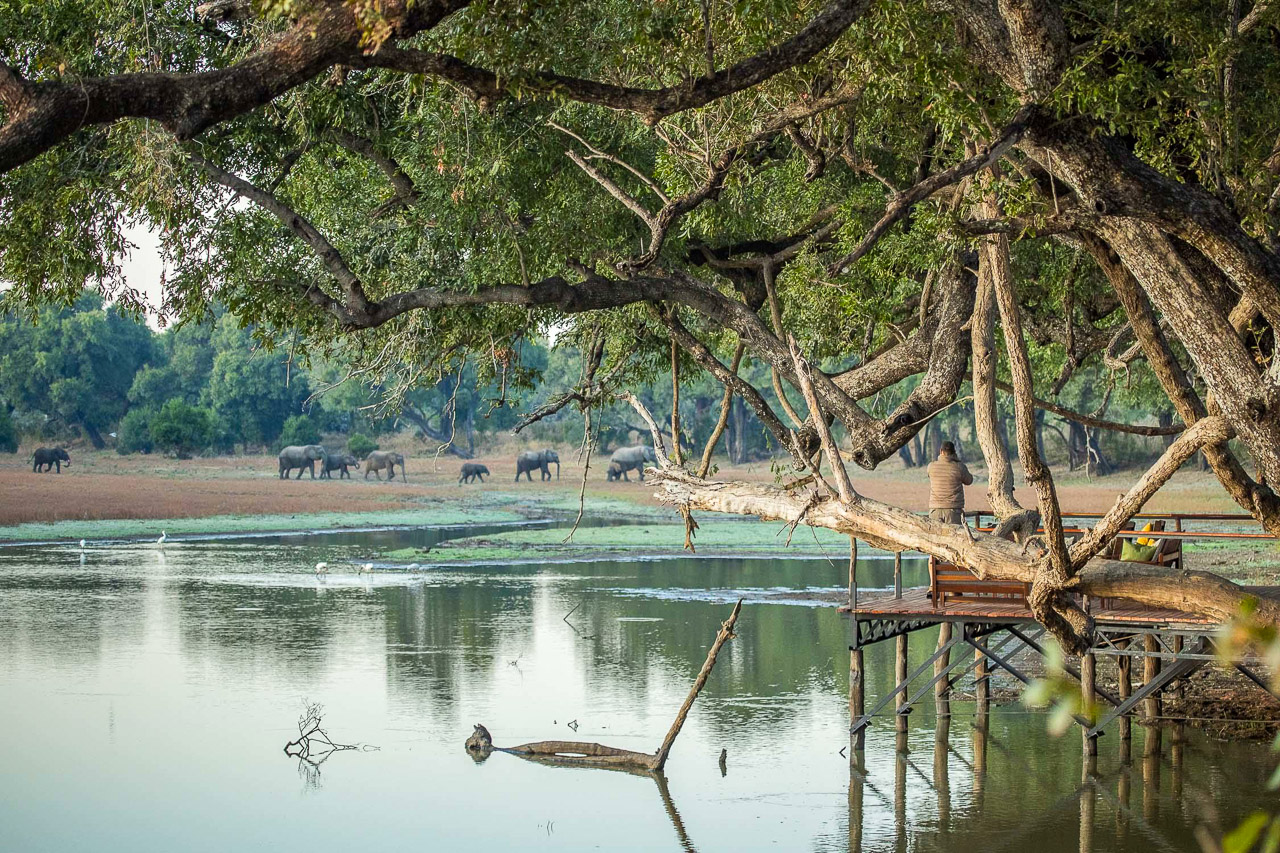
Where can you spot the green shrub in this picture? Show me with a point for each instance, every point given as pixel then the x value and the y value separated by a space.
pixel 360 445
pixel 8 434
pixel 133 435
pixel 181 429
pixel 299 429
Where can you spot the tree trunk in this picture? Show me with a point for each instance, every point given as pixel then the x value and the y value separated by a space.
pixel 95 437
pixel 416 417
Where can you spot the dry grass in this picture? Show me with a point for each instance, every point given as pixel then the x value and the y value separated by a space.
pixel 104 485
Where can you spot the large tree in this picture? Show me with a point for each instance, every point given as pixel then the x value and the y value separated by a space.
pixel 852 194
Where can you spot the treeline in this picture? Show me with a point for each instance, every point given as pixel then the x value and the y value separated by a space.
pixel 92 372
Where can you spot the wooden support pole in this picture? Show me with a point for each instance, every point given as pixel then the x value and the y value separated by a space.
pixel 1151 785
pixel 1151 706
pixel 900 677
pixel 1177 688
pixel 897 574
pixel 982 682
pixel 1124 682
pixel 1089 701
pixel 857 698
pixel 1088 800
pixel 900 795
pixel 941 774
pixel 942 689
pixel 979 758
pixel 853 574
pixel 857 781
pixel 1124 793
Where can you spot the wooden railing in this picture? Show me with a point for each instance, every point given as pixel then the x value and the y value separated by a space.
pixel 948 580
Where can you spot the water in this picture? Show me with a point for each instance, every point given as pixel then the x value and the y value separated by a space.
pixel 145 698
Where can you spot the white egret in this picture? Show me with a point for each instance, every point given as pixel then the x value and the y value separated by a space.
pixel 322 569
pixel 163 537
pixel 82 544
pixel 367 568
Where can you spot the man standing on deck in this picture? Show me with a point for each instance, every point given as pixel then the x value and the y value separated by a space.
pixel 947 478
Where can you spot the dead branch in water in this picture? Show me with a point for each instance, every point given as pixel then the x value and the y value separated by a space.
pixel 584 754
pixel 314 746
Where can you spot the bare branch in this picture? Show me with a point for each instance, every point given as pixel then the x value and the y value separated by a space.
pixel 596 153
pixel 616 191
pixel 816 414
pixel 1091 421
pixel 1203 433
pixel 659 446
pixel 723 420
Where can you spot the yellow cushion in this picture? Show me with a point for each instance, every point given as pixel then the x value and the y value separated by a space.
pixel 1143 540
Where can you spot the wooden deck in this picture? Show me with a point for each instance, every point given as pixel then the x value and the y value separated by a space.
pixel 916 605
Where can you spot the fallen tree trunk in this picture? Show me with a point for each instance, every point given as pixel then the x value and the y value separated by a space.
pixel 586 754
pixel 894 529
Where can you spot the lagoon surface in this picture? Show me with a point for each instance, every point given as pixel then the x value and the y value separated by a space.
pixel 146 695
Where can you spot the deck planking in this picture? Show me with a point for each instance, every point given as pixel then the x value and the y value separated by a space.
pixel 915 604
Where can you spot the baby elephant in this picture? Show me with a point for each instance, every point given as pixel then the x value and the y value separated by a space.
pixel 472 471
pixel 338 462
pixel 616 472
pixel 47 458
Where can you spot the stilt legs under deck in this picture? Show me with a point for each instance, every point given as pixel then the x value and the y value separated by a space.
pixel 900 675
pixel 1169 654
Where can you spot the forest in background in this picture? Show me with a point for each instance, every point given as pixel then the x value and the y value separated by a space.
pixel 94 373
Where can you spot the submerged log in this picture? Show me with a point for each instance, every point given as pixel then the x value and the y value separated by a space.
pixel 571 753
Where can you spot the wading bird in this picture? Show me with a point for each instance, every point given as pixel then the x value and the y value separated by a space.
pixel 322 569
pixel 367 568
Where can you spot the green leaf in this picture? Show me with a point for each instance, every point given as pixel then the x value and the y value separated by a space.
pixel 1242 838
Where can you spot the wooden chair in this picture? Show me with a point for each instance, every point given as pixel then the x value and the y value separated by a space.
pixel 1168 551
pixel 948 580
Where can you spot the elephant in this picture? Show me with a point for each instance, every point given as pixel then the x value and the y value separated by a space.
pixel 49 458
pixel 379 459
pixel 338 462
pixel 540 459
pixel 472 471
pixel 302 456
pixel 615 472
pixel 631 459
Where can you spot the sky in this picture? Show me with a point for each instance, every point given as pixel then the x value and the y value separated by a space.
pixel 142 270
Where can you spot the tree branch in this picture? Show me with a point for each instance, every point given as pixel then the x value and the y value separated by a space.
pixel 356 304
pixel 1203 433
pixel 903 201
pixel 652 105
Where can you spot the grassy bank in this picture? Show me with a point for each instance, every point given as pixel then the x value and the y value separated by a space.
pixel 131 528
pixel 715 536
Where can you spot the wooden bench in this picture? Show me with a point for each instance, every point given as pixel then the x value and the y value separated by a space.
pixel 948 580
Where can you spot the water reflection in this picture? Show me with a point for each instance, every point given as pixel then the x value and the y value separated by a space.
pixel 154 691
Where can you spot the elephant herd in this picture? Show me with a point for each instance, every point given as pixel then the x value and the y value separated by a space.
pixel 623 460
pixel 304 458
